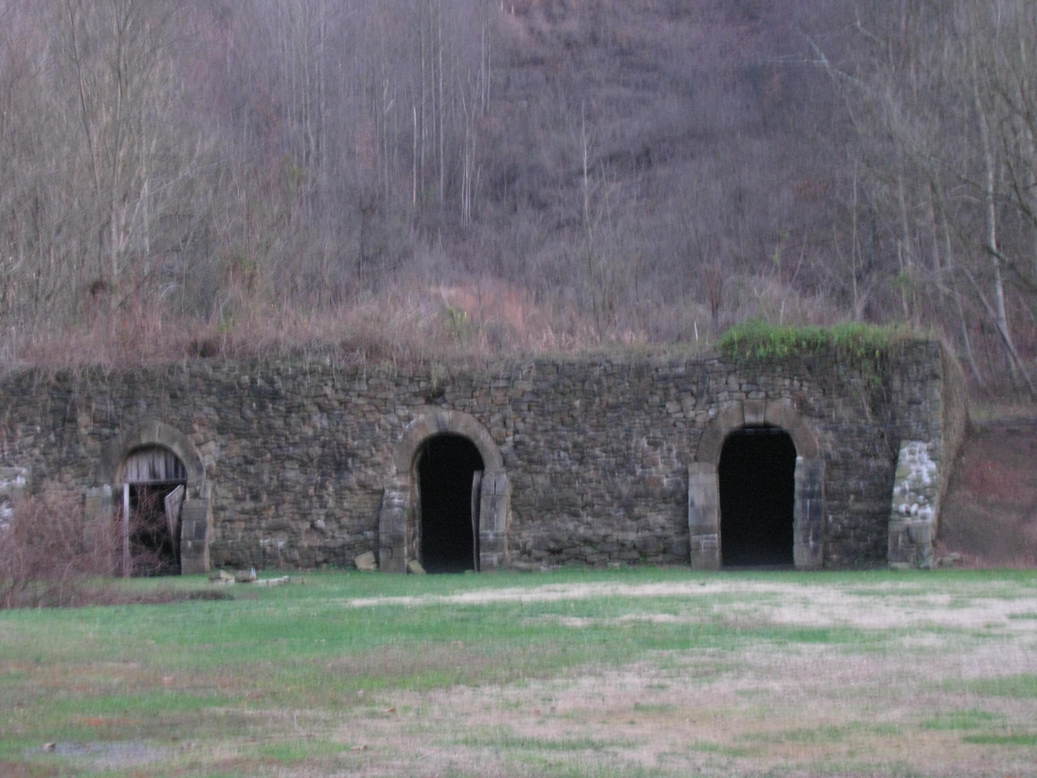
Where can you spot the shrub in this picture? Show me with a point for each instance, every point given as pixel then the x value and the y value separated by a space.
pixel 50 555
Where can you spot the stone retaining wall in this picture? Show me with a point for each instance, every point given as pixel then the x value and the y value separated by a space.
pixel 307 463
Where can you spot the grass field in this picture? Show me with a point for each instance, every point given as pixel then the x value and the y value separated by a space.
pixel 639 672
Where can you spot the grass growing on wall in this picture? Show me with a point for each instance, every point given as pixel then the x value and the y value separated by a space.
pixel 758 340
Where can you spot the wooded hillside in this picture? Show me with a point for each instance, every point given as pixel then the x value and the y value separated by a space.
pixel 421 176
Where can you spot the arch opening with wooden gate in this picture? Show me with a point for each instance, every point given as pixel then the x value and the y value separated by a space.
pixel 154 485
pixel 138 475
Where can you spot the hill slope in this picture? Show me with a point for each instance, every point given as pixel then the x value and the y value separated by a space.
pixel 990 513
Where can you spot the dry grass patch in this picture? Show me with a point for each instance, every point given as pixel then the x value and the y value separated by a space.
pixel 639 673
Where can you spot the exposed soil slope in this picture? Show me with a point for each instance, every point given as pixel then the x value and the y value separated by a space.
pixel 990 513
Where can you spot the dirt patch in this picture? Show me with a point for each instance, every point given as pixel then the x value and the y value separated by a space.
pixel 795 709
pixel 110 755
pixel 163 596
pixel 768 703
pixel 399 662
pixel 990 512
pixel 113 594
pixel 14 770
pixel 838 610
pixel 792 604
pixel 564 592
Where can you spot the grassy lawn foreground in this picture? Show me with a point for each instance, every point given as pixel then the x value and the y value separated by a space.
pixel 640 672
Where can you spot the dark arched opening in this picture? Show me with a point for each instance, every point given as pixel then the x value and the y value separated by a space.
pixel 757 497
pixel 154 485
pixel 447 466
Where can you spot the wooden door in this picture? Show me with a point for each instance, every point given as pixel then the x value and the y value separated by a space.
pixel 476 506
pixel 174 501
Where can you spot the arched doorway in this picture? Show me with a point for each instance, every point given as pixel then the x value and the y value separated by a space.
pixel 125 461
pixel 449 470
pixel 154 485
pixel 436 435
pixel 757 496
pixel 808 479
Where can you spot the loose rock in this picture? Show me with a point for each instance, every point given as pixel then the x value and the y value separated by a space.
pixel 366 562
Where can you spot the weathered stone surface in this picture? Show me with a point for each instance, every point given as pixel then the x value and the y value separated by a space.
pixel 915 505
pixel 414 567
pixel 366 562
pixel 12 482
pixel 306 463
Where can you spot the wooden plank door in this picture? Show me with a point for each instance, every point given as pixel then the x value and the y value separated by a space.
pixel 476 505
pixel 125 531
pixel 174 501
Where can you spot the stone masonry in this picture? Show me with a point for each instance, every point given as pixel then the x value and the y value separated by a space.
pixel 307 463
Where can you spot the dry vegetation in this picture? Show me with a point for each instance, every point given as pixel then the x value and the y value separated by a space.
pixel 990 512
pixel 52 555
pixel 577 673
pixel 49 554
pixel 423 177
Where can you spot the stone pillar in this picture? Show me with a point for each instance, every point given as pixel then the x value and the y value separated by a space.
pixel 392 528
pixel 494 510
pixel 808 514
pixel 12 483
pixel 913 514
pixel 704 516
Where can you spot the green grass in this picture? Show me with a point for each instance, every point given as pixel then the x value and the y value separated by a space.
pixel 538 765
pixel 299 750
pixel 647 707
pixel 821 734
pixel 896 769
pixel 758 340
pixel 961 719
pixel 1023 685
pixel 509 741
pixel 1002 740
pixel 299 678
pixel 723 749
